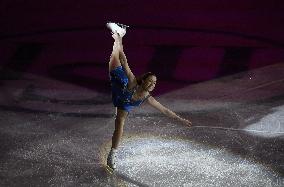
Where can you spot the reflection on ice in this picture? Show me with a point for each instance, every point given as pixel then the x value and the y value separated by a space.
pixel 170 162
pixel 271 125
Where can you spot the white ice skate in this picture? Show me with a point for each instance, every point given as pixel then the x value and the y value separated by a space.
pixel 111 160
pixel 117 27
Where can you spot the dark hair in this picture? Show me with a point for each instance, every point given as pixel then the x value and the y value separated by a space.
pixel 144 77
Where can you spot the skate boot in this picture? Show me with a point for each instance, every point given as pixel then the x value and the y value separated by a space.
pixel 111 159
pixel 117 28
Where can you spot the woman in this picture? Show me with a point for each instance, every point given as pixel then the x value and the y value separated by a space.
pixel 128 91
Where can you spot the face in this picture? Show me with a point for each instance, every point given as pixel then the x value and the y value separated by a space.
pixel 149 83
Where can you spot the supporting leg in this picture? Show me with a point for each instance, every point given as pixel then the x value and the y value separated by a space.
pixel 119 123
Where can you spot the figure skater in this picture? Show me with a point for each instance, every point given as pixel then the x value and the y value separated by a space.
pixel 128 91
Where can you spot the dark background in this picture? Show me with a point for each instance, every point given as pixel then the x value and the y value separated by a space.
pixel 183 42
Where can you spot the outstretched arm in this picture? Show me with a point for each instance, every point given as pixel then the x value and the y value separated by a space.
pixel 154 103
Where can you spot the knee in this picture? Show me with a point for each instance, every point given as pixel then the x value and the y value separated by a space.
pixel 119 121
pixel 118 132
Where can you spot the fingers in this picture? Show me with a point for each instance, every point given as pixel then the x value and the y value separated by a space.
pixel 115 35
pixel 117 38
pixel 188 123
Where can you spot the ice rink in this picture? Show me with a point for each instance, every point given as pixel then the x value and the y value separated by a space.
pixel 57 134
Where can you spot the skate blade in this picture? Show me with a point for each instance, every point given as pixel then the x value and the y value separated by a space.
pixel 119 24
pixel 122 25
pixel 111 171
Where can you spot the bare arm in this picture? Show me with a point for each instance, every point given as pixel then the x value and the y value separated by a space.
pixel 154 103
pixel 123 61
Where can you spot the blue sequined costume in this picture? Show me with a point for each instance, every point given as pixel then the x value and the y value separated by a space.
pixel 121 96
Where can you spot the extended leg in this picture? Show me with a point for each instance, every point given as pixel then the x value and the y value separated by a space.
pixel 118 31
pixel 117 48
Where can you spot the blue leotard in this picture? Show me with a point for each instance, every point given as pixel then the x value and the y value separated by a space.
pixel 121 96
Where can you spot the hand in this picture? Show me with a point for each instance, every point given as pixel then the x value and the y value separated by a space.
pixel 186 122
pixel 115 35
